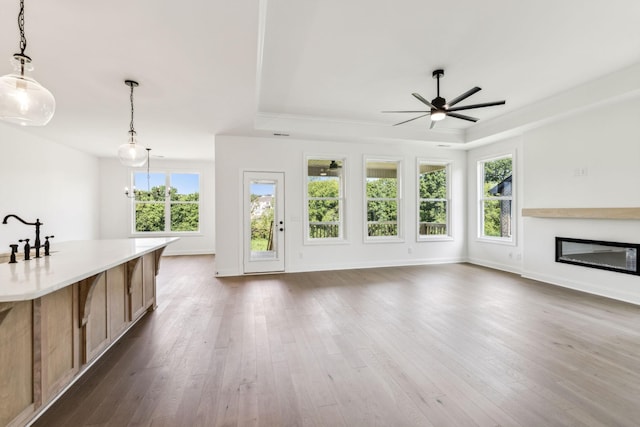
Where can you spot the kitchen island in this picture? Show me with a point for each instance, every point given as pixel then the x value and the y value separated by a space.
pixel 59 313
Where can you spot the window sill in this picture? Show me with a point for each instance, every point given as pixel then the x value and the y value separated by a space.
pixel 435 239
pixel 325 242
pixel 497 240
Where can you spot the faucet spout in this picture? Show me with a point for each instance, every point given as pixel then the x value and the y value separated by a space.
pixel 37 224
pixel 4 221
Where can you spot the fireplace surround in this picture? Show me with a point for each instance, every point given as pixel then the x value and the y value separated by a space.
pixel 612 256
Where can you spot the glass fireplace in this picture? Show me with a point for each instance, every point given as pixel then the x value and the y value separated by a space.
pixel 612 256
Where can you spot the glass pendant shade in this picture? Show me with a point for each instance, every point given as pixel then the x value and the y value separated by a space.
pixel 23 100
pixel 132 154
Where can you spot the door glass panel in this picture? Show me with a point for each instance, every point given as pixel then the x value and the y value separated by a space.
pixel 263 228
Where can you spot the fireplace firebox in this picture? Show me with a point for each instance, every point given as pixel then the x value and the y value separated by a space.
pixel 612 256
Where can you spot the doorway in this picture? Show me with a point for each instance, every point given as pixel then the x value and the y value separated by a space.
pixel 263 222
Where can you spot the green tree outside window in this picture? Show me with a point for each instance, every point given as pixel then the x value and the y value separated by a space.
pixel 171 202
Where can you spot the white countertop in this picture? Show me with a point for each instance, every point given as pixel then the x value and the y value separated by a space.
pixel 69 263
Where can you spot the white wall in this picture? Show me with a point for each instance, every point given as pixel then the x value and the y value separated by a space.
pixel 503 256
pixel 588 160
pixel 237 154
pixel 46 180
pixel 117 211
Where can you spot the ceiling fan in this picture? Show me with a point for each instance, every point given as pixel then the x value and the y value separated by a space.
pixel 439 108
pixel 332 169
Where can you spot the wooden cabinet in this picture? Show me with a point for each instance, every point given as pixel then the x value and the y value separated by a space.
pixel 16 371
pixel 58 338
pixel 45 343
pixel 142 285
pixel 150 268
pixel 117 301
pixel 136 289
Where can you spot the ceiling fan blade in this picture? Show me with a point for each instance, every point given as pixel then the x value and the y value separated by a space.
pixel 422 111
pixel 433 124
pixel 415 118
pixel 463 96
pixel 461 116
pixel 424 101
pixel 469 107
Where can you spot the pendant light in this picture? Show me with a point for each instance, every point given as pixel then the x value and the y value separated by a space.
pixel 23 100
pixel 131 153
pixel 133 194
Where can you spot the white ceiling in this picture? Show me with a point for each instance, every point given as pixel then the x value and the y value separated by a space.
pixel 315 69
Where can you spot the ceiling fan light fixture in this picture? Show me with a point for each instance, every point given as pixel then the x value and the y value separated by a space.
pixel 23 100
pixel 438 115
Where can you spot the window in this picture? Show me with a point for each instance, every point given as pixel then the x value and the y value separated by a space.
pixel 433 204
pixel 382 199
pixel 170 203
pixel 496 198
pixel 325 199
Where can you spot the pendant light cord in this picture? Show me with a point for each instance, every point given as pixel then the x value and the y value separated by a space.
pixel 131 129
pixel 23 38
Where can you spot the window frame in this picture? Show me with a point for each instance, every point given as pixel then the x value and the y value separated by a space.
pixel 342 202
pixel 438 237
pixel 167 204
pixel 480 236
pixel 399 237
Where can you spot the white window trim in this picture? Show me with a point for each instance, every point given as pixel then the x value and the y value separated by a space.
pixel 399 201
pixel 342 201
pixel 443 237
pixel 509 241
pixel 167 173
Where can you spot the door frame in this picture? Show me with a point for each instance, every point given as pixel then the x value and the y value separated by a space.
pixel 251 265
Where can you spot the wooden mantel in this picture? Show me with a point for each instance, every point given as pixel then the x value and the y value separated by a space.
pixel 583 213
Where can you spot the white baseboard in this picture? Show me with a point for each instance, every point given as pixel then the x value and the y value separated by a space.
pixel 376 264
pixel 495 265
pixel 581 286
pixel 354 266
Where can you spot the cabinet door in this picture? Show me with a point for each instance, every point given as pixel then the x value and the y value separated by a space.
pixel 16 370
pixel 96 331
pixel 59 343
pixel 117 294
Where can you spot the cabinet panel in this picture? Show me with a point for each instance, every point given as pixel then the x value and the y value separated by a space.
pixel 149 277
pixel 16 366
pixel 96 331
pixel 136 297
pixel 117 294
pixel 58 340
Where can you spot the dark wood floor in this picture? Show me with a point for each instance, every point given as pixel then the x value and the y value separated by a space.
pixel 448 345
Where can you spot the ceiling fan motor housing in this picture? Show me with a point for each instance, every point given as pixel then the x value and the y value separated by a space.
pixel 439 102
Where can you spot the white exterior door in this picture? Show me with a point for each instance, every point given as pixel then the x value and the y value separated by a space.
pixel 263 222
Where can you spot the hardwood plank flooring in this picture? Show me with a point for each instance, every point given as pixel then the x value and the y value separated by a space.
pixel 442 345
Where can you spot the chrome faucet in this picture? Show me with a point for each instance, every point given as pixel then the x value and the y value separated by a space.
pixel 37 225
